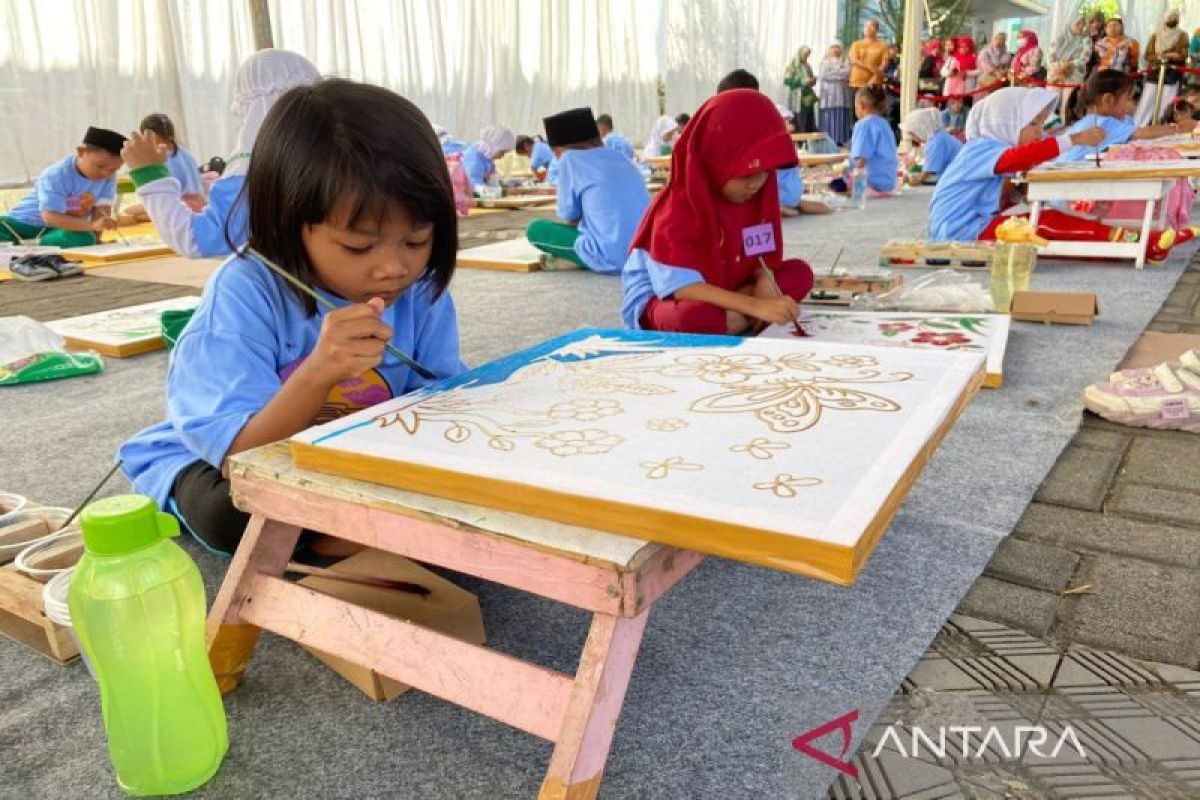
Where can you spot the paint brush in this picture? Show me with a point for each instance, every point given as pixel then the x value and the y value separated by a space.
pixel 836 259
pixel 357 578
pixel 328 306
pixel 91 495
pixel 771 275
pixel 1097 157
pixel 121 236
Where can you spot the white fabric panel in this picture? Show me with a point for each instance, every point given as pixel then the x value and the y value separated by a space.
pixel 708 38
pixel 469 64
pixel 67 64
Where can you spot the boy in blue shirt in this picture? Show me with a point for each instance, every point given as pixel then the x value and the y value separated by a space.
pixel 601 197
pixel 72 200
pixel 612 139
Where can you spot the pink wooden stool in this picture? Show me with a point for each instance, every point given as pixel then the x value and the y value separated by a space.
pixel 616 578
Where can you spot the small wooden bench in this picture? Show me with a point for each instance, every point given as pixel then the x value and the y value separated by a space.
pixel 615 578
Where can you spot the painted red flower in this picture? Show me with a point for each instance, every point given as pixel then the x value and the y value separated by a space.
pixel 941 339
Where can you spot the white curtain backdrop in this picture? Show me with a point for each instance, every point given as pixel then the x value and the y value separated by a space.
pixel 67 64
pixel 708 38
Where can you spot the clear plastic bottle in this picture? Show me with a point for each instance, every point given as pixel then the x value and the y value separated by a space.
pixel 137 604
pixel 858 189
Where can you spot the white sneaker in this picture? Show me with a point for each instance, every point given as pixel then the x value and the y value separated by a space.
pixel 1165 397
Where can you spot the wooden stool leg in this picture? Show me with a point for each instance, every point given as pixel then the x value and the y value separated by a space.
pixel 265 548
pixel 591 717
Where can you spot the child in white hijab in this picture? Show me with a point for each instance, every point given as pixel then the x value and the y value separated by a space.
pixel 260 81
pixel 1005 137
pixel 479 160
pixel 661 136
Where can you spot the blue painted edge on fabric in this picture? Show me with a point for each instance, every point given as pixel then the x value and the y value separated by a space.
pixel 502 369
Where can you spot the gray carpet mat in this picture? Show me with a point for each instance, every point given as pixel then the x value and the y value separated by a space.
pixel 737 660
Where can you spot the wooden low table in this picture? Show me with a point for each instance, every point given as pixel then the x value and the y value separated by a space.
pixel 1148 181
pixel 617 579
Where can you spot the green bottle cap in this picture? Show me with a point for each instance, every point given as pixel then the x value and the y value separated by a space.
pixel 117 525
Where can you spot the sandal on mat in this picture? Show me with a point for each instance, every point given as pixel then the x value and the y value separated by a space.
pixel 1166 397
pixel 33 269
pixel 62 266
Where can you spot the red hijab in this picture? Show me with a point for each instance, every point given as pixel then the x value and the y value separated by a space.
pixel 966 60
pixel 735 134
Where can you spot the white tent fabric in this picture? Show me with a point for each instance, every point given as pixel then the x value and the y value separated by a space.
pixel 67 64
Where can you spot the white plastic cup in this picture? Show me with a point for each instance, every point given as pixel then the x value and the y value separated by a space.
pixel 54 599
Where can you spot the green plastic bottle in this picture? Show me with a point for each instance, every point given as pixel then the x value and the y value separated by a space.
pixel 137 605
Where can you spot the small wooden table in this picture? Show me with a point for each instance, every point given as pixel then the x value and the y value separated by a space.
pixel 617 579
pixel 1148 181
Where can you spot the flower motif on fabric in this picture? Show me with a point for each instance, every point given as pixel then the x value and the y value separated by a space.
pixel 666 424
pixel 722 369
pixel 941 339
pixel 657 470
pixel 786 485
pixel 584 409
pixel 587 442
pixel 760 447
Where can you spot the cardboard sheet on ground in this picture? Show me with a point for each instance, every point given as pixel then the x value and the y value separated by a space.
pixel 792 455
pixel 120 332
pixel 514 255
pixel 970 333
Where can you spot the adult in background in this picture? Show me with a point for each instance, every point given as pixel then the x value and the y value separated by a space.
pixel 994 62
pixel 836 98
pixel 1096 27
pixel 1027 64
pixel 1116 50
pixel 1166 47
pixel 802 96
pixel 868 58
pixel 1069 56
pixel 929 76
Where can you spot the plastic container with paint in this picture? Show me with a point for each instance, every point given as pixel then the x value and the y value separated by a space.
pixel 137 605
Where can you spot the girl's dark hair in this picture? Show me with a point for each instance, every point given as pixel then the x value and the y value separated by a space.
pixel 337 140
pixel 1102 82
pixel 872 95
pixel 524 144
pixel 162 126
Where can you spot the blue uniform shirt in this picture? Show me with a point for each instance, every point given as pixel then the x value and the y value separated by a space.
pixel 541 155
pixel 605 193
pixel 62 190
pixel 874 141
pixel 967 195
pixel 1116 131
pixel 184 169
pixel 939 151
pixel 644 278
pixel 208 227
pixel 791 187
pixel 248 335
pixel 615 141
pixel 477 166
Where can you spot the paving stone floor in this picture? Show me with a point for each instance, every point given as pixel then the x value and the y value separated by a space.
pixel 1087 616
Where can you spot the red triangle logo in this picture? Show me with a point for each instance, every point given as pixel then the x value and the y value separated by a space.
pixel 844 724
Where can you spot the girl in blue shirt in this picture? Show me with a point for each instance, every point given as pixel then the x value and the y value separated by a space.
pixel 479 160
pixel 1108 97
pixel 873 145
pixel 348 191
pixel 180 163
pixel 938 148
pixel 260 81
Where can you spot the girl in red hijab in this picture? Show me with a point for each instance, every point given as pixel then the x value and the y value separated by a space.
pixel 709 252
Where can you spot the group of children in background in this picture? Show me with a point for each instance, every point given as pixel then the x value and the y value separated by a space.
pixel 370 224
